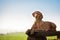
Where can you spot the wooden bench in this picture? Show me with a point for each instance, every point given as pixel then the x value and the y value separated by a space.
pixel 42 35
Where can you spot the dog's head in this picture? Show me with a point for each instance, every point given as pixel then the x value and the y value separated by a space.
pixel 37 15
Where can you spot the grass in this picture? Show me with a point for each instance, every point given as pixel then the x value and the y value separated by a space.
pixel 51 37
pixel 20 36
pixel 13 36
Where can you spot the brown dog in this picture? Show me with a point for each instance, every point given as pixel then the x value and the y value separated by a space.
pixel 39 24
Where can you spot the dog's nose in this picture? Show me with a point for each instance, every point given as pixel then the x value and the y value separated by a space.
pixel 35 15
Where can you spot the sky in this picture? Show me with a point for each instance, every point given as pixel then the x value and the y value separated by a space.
pixel 16 15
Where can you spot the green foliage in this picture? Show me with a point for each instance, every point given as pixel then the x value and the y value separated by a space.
pixel 14 36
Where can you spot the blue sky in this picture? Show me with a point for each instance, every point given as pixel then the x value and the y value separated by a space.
pixel 16 15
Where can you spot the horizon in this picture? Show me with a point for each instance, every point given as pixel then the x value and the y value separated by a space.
pixel 16 15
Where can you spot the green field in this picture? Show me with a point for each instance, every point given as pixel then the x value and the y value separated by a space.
pixel 20 36
pixel 13 36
